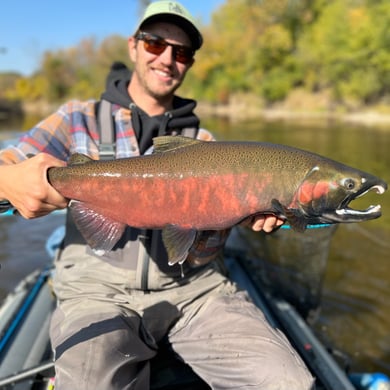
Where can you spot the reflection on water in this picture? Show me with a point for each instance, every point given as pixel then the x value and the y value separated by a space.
pixel 355 314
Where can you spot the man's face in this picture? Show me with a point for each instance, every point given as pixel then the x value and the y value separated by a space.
pixel 159 75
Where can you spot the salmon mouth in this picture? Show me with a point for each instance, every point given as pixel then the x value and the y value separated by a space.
pixel 344 213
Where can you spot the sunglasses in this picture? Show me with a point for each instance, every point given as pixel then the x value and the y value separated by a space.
pixel 156 45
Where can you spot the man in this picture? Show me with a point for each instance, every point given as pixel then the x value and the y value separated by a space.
pixel 114 309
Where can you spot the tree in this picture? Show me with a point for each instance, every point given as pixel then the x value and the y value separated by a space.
pixel 347 50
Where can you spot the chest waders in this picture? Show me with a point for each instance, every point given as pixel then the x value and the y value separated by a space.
pixel 139 249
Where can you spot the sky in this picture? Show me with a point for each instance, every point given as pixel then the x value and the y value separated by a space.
pixel 29 28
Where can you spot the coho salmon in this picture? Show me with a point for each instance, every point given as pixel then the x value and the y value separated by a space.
pixel 188 185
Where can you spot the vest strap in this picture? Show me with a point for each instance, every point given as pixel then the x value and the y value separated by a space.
pixel 106 130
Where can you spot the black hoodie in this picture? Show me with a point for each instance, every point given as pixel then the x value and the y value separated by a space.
pixel 146 127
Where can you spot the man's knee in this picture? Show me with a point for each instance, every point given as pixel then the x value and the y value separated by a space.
pixel 97 349
pixel 283 373
pixel 231 345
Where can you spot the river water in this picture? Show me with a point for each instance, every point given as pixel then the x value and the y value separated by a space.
pixel 354 314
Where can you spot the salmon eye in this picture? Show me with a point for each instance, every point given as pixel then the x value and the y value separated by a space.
pixel 349 184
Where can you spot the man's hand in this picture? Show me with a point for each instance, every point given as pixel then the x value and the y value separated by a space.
pixel 210 243
pixel 26 186
pixel 267 223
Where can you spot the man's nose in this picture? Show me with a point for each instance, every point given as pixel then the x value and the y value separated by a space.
pixel 166 56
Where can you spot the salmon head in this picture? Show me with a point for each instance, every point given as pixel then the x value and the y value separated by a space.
pixel 325 194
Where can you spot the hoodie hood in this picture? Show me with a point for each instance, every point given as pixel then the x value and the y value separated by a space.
pixel 116 85
pixel 146 127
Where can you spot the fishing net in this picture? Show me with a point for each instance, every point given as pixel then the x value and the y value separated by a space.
pixel 289 264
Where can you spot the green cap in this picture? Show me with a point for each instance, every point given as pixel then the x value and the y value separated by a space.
pixel 173 12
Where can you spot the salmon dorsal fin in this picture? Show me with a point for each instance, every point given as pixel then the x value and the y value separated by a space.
pixel 169 143
pixel 78 159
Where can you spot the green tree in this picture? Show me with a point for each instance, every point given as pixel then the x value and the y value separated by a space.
pixel 347 50
pixel 248 45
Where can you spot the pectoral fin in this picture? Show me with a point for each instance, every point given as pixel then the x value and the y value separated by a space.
pixel 177 243
pixel 293 216
pixel 100 232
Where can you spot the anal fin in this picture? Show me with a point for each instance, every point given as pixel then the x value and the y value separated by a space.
pixel 178 242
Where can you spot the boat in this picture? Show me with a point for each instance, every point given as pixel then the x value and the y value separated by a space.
pixel 26 358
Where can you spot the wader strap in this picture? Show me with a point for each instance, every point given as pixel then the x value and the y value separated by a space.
pixel 143 260
pixel 106 130
pixel 190 132
pixel 107 143
pixel 106 146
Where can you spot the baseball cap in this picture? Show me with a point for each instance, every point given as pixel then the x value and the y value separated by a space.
pixel 173 12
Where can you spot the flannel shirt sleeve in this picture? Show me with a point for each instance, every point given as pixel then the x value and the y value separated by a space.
pixel 53 135
pixel 208 246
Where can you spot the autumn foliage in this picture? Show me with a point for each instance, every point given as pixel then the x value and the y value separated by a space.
pixel 266 48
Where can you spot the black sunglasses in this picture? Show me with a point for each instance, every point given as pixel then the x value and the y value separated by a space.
pixel 156 45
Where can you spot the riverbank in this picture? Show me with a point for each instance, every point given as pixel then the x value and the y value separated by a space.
pixel 366 118
pixel 298 107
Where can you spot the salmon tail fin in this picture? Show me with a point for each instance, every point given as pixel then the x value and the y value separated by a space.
pixel 177 243
pixel 100 232
pixel 296 220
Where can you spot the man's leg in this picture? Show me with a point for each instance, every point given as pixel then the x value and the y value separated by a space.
pixel 98 347
pixel 99 339
pixel 230 345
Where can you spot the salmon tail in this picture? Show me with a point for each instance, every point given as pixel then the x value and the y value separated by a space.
pixel 177 242
pixel 100 232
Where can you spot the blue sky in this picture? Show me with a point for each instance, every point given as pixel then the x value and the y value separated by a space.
pixel 28 28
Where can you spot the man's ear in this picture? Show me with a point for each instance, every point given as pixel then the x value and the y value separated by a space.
pixel 132 47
